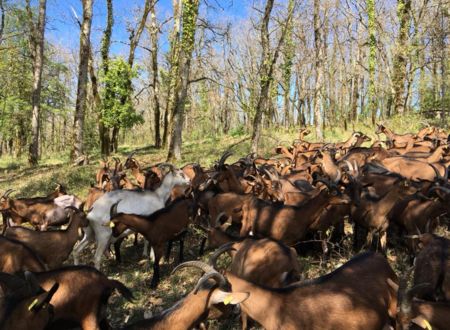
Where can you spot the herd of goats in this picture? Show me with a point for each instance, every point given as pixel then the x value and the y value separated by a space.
pixel 393 194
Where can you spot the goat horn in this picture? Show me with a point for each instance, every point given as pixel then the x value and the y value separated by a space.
pixel 172 167
pixel 219 278
pixel 350 166
pixel 405 305
pixel 196 264
pixel 224 157
pixel 7 193
pixel 444 189
pixel 131 154
pixel 438 175
pixel 71 207
pixel 225 247
pixel 208 269
pixel 271 176
pixel 113 209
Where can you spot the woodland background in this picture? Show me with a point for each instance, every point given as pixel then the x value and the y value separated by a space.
pixel 76 76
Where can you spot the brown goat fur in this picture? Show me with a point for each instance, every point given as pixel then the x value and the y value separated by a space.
pixel 263 261
pixel 191 310
pixel 288 224
pixel 82 295
pixel 23 303
pixel 16 256
pixel 354 296
pixel 158 228
pixel 433 267
pixel 53 247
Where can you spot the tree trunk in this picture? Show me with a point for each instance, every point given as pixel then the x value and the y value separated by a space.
pixel 318 121
pixel 289 53
pixel 37 42
pixel 103 131
pixel 155 81
pixel 174 68
pixel 80 105
pixel 400 60
pixel 190 13
pixel 268 62
pixel 372 58
pixel 2 20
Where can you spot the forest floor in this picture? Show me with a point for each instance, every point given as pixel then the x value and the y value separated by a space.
pixel 135 271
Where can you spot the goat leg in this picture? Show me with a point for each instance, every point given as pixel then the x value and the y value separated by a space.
pixel 155 279
pixel 180 255
pixel 117 245
pixel 202 246
pixel 168 250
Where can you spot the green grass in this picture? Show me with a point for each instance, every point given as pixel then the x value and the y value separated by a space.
pixel 136 272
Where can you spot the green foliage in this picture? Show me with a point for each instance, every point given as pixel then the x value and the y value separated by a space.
pixel 237 131
pixel 190 12
pixel 117 109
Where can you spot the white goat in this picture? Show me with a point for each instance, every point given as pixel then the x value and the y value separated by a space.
pixel 136 202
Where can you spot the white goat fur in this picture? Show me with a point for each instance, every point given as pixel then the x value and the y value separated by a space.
pixel 135 202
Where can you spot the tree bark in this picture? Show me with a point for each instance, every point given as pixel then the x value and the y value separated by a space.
pixel 268 62
pixel 37 43
pixel 2 20
pixel 155 81
pixel 372 59
pixel 189 23
pixel 400 60
pixel 80 105
pixel 106 43
pixel 174 68
pixel 318 120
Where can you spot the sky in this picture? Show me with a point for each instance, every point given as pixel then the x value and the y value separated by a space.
pixel 62 28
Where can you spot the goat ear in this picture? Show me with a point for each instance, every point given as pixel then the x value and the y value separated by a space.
pixel 44 299
pixel 233 298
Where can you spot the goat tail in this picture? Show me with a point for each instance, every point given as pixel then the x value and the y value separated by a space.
pixel 123 290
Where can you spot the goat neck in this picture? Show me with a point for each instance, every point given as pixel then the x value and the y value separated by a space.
pixel 185 314
pixel 388 201
pixel 164 190
pixel 136 222
pixel 436 155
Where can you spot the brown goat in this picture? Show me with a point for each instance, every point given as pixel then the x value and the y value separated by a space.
pixel 398 140
pixel 82 295
pixel 421 314
pixel 193 309
pixel 433 266
pixel 354 296
pixel 288 224
pixel 23 304
pixel 372 214
pixel 262 261
pixel 158 228
pixel 16 257
pixel 53 247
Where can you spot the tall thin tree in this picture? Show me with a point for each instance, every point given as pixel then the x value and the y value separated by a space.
pixel 37 31
pixel 80 105
pixel 401 56
pixel 318 119
pixel 267 64
pixel 189 26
